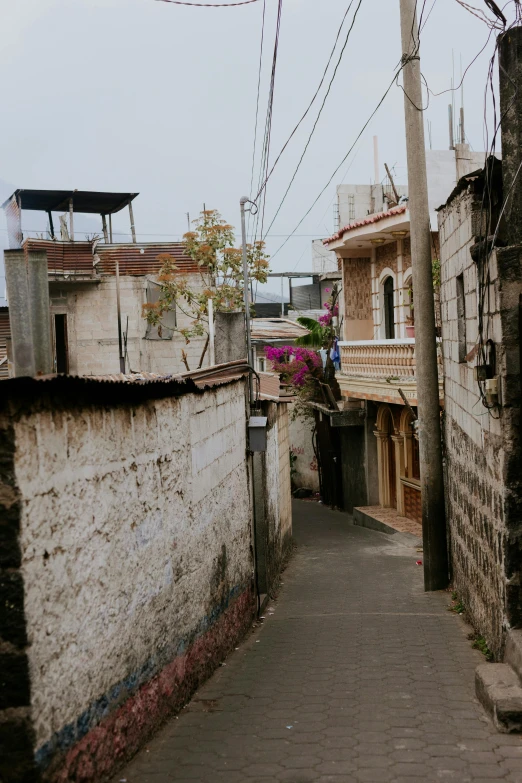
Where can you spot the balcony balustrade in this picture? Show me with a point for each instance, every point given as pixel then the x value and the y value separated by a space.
pixel 378 358
pixel 381 359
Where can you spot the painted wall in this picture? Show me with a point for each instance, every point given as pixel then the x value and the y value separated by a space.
pixel 483 492
pixel 93 328
pixel 306 473
pixel 131 544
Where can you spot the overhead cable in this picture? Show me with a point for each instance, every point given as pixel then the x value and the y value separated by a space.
pixel 209 5
pixel 265 155
pixel 318 114
pixel 323 77
pixel 370 118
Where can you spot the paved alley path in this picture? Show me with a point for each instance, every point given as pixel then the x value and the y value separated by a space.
pixel 358 675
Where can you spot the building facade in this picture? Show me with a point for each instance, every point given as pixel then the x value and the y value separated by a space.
pixel 378 359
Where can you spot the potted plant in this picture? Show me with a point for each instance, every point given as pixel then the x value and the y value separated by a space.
pixel 410 325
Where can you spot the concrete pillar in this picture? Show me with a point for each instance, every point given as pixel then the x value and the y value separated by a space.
pixel 17 284
pixel 401 321
pixel 510 75
pixel 384 468
pixel 398 443
pixel 40 312
pixel 230 337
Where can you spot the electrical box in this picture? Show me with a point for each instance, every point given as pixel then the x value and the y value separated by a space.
pixel 492 391
pixel 257 433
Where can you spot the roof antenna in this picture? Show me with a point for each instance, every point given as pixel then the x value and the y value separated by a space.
pixel 462 133
pixel 376 159
pixel 450 118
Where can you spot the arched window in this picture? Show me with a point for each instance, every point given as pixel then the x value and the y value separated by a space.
pixel 389 318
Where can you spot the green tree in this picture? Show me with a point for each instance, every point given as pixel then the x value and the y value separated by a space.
pixel 212 246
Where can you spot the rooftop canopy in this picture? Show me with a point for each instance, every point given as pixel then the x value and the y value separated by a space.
pixel 83 201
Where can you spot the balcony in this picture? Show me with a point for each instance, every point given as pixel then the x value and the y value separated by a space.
pixel 379 358
pixel 377 369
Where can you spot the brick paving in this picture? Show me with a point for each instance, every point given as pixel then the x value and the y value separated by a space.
pixel 390 517
pixel 355 675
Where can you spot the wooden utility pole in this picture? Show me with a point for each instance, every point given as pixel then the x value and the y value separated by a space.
pixel 430 442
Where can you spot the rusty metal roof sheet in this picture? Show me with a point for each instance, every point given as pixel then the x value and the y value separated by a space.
pixel 98 258
pixel 85 201
pixel 276 329
pixel 64 258
pixel 142 259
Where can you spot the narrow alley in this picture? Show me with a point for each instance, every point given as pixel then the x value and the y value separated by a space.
pixel 355 674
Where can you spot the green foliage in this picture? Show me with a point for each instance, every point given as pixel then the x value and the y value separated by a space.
pixel 220 265
pixel 481 644
pixel 318 337
pixel 435 271
pixel 293 460
pixel 456 604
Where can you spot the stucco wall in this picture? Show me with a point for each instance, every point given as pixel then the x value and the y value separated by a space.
pixel 135 538
pixel 93 328
pixel 305 466
pixel 481 447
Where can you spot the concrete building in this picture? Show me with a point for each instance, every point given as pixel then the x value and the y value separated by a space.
pixel 85 278
pixel 378 347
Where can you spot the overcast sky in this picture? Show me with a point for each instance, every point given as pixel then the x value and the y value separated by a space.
pixel 146 96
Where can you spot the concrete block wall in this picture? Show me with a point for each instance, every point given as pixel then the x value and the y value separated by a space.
pixel 481 447
pixel 277 523
pixel 93 328
pixel 129 567
pixel 306 472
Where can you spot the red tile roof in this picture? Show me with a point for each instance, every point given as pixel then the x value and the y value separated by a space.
pixel 366 222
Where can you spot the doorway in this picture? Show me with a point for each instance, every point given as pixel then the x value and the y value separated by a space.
pixel 61 344
pixel 389 315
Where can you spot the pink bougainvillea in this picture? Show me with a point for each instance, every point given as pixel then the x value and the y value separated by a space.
pixel 296 365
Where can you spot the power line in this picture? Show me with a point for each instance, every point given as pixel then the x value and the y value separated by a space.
pixel 268 122
pixel 285 145
pixel 319 112
pixel 257 100
pixel 396 75
pixel 209 5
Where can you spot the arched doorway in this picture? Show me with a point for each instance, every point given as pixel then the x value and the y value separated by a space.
pixel 389 309
pixel 386 458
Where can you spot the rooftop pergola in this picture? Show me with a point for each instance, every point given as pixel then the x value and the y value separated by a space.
pixel 71 201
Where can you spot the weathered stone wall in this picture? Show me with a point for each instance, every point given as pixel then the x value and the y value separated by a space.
pixel 276 470
pixel 93 329
pixel 481 447
pixel 131 527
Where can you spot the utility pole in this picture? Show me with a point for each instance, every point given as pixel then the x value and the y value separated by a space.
pixel 243 202
pixel 430 442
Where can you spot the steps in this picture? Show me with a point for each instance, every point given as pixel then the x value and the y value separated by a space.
pixel 499 687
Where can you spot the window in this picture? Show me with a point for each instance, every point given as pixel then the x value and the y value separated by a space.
pixel 461 319
pixel 261 363
pixel 389 325
pixel 168 320
pixel 61 344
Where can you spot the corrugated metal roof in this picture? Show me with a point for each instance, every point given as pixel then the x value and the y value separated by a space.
pixel 366 222
pixel 90 259
pixel 142 259
pixel 276 329
pixel 64 258
pixel 84 201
